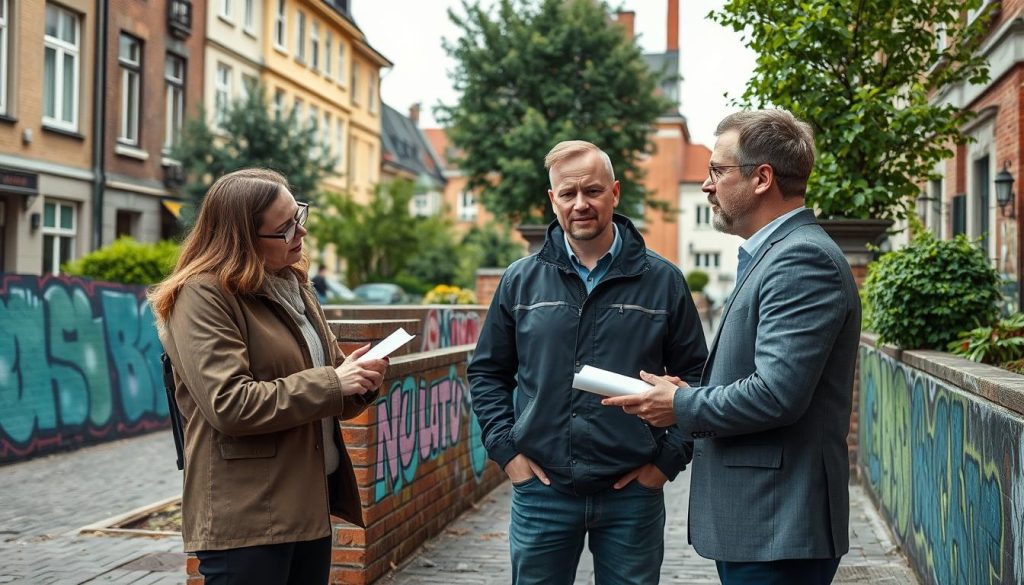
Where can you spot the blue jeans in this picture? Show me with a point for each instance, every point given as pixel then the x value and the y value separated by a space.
pixel 626 531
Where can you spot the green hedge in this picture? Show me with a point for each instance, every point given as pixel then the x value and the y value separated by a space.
pixel 921 296
pixel 126 261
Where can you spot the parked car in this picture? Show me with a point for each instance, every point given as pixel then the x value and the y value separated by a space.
pixel 339 292
pixel 381 293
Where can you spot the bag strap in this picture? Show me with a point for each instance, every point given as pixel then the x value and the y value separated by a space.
pixel 172 410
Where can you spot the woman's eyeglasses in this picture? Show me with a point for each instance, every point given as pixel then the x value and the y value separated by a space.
pixel 300 219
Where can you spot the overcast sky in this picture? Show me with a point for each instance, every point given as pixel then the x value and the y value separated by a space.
pixel 713 60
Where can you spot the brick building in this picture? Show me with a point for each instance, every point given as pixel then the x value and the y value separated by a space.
pixel 963 199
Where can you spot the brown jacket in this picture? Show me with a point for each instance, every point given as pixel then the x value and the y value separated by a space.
pixel 252 404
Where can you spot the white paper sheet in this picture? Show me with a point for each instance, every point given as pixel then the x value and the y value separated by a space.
pixel 387 345
pixel 607 383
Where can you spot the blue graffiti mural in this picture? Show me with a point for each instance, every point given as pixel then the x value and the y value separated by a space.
pixel 79 364
pixel 942 464
pixel 418 420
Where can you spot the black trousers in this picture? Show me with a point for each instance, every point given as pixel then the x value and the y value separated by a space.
pixel 290 563
pixel 789 572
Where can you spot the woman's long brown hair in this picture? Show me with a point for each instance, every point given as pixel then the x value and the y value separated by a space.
pixel 223 240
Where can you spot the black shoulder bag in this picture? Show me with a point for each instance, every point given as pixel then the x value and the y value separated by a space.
pixel 172 410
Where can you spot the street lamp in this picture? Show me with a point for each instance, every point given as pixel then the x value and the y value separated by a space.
pixel 1004 190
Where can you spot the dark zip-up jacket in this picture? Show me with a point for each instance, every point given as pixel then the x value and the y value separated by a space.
pixel 542 327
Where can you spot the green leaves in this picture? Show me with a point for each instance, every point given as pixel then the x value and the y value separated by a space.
pixel 126 261
pixel 861 72
pixel 919 297
pixel 252 136
pixel 997 344
pixel 534 73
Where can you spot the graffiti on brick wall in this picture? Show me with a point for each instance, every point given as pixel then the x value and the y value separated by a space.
pixel 444 327
pixel 419 419
pixel 79 363
pixel 948 471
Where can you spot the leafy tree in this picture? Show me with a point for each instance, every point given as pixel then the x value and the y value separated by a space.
pixel 252 136
pixel 435 260
pixel 861 72
pixel 374 239
pixel 534 74
pixel 489 246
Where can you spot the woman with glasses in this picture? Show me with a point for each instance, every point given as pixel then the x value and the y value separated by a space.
pixel 261 383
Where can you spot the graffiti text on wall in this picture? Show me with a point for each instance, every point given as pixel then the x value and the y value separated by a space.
pixel 449 327
pixel 79 363
pixel 418 420
pixel 945 467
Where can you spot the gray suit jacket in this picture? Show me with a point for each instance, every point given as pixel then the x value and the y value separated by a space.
pixel 770 467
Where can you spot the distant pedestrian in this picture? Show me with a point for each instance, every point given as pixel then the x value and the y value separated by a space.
pixel 769 498
pixel 594 295
pixel 261 383
pixel 320 284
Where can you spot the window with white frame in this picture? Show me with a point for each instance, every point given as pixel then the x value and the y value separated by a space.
pixel 300 36
pixel 278 103
pixel 314 46
pixel 467 206
pixel 62 48
pixel 314 123
pixel 174 80
pixel 703 215
pixel 341 63
pixel 297 108
pixel 221 93
pixel 354 89
pixel 59 230
pixel 249 85
pixel 339 139
pixel 329 55
pixel 707 259
pixel 280 23
pixel 224 9
pixel 372 93
pixel 326 135
pixel 249 16
pixel 371 162
pixel 129 57
pixel 4 68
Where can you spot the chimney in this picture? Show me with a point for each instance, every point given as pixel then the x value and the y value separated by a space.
pixel 626 19
pixel 672 35
pixel 414 113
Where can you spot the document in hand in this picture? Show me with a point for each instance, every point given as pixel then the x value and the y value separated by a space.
pixel 607 383
pixel 388 345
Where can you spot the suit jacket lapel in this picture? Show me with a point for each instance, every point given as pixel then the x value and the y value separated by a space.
pixel 803 218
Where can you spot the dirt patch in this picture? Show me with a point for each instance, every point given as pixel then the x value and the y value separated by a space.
pixel 167 519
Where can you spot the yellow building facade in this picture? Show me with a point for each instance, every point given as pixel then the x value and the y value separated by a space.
pixel 317 61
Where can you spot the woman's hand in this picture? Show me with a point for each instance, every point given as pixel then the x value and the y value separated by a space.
pixel 360 377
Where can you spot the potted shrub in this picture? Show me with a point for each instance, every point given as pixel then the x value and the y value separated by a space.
pixel 863 75
pixel 959 292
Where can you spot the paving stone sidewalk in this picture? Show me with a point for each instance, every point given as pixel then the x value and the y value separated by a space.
pixel 45 501
pixel 473 550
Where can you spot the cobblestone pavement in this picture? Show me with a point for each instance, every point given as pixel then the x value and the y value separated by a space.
pixel 474 548
pixel 45 501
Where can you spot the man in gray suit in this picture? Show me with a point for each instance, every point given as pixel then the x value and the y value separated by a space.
pixel 769 499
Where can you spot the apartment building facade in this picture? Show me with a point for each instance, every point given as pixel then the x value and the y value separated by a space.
pixel 319 63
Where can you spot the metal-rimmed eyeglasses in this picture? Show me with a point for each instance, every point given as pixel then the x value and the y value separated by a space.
pixel 300 219
pixel 715 172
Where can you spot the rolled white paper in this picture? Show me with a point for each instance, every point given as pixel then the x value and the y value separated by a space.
pixel 605 383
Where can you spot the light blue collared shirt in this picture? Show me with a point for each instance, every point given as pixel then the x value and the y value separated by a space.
pixel 754 242
pixel 592 277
